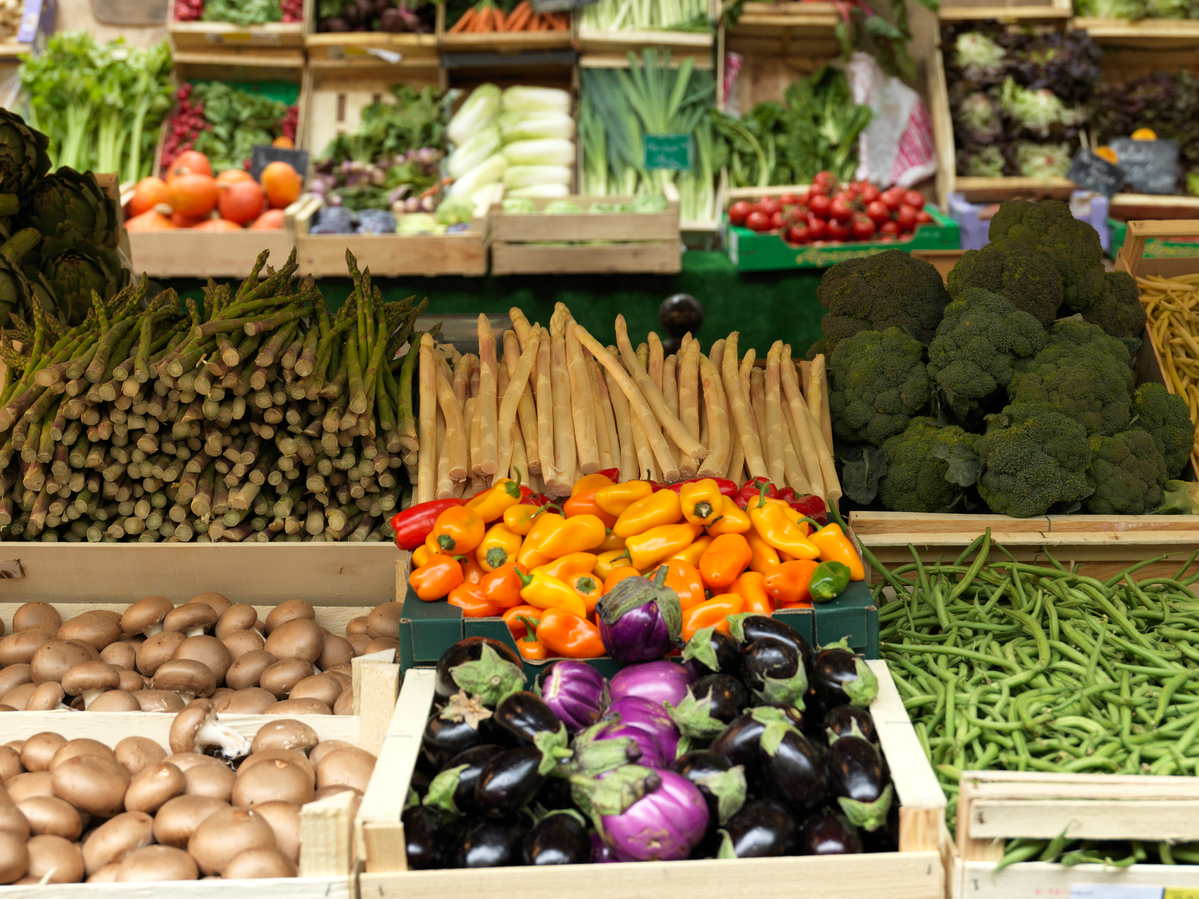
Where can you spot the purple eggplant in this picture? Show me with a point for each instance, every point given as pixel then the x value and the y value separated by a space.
pixel 655 681
pixel 773 670
pixel 650 717
pixel 604 747
pixel 829 834
pixel 856 777
pixel 640 619
pixel 711 652
pixel 850 721
pixel 645 815
pixel 447 735
pixel 509 780
pixel 559 839
pixel 793 770
pixel 840 678
pixel 453 789
pixel 525 716
pixel 740 741
pixel 762 829
pixel 575 692
pixel 710 704
pixel 649 749
pixel 492 843
pixel 426 839
pixel 480 666
pixel 601 852
pixel 748 627
pixel 721 783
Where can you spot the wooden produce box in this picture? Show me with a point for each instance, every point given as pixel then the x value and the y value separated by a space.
pixel 539 244
pixel 508 43
pixel 225 36
pixel 790 28
pixel 372 48
pixel 994 806
pixel 1015 11
pixel 916 871
pixel 610 49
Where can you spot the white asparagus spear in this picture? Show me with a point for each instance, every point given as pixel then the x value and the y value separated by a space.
pixel 564 432
pixel 545 412
pixel 456 437
pixel 773 403
pixel 445 484
pixel 627 460
pixel 582 403
pixel 805 441
pixel 517 382
pixel 738 402
pixel 426 484
pixel 716 412
pixel 527 410
pixel 488 378
pixel 688 374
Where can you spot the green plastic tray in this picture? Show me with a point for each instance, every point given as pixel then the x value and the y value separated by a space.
pixel 1153 248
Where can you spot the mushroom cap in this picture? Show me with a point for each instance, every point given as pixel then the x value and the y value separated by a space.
pixel 10 764
pixel 384 620
pixel 359 642
pixel 261 862
pixel 208 651
pixel 240 643
pixel 33 614
pixel 321 687
pixel 12 819
pixel 286 611
pixel 239 617
pixel 116 838
pixel 45 697
pixel 157 650
pixel 345 702
pixel 120 655
pixel 131 680
pixel 49 814
pixel 221 693
pixel 92 784
pixel 86 676
pixel 286 734
pixel 136 754
pixel 159 701
pixel 186 727
pixel 284 674
pixel 227 833
pixel 247 669
pixel 13 676
pixel 356 626
pixel 153 787
pixel 80 746
pixel 179 817
pixel 351 766
pixel 59 860
pixel 28 785
pixel 21 646
pixel 274 780
pixel 146 613
pixel 219 602
pixel 297 638
pixel 107 874
pixel 14 857
pixel 18 697
pixel 56 658
pixel 380 644
pixel 97 628
pixel 191 616
pixel 324 747
pixel 186 760
pixel 185 676
pixel 115 701
pixel 291 756
pixel 157 863
pixel 284 819
pixel 215 780
pixel 38 750
pixel 335 651
pixel 326 792
pixel 299 707
pixel 247 701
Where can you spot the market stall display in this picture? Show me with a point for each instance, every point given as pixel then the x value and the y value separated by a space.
pixel 198 25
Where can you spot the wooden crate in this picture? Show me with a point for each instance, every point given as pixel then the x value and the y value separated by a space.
pixel 608 49
pixel 994 806
pixel 555 244
pixel 1146 34
pixel 1011 11
pixel 225 36
pixel 372 48
pixel 793 28
pixel 506 42
pixel 917 870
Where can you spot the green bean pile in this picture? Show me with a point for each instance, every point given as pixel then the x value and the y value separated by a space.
pixel 1006 665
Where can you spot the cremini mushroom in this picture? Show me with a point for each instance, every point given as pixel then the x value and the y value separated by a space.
pixel 136 754
pixel 350 766
pixel 208 651
pixel 153 787
pixel 322 687
pixel 157 650
pixel 80 746
pixel 107 874
pixel 14 857
pixel 13 676
pixel 298 638
pixel 12 820
pixel 273 781
pixel 145 616
pixel 96 628
pixel 28 785
pixel 92 784
pixel 115 701
pixel 21 646
pixel 359 643
pixel 131 680
pixel 260 862
pixel 239 617
pixel 247 701
pixel 357 626
pixel 286 734
pixel 53 859
pixel 46 697
pixel 299 707
pixel 287 611
pixel 324 747
pixel 291 756
pixel 335 651
pixel 197 727
pixel 384 620
pixel 219 602
pixel 56 658
pixel 159 701
pixel 221 693
pixel 38 750
pixel 89 680
pixel 345 703
pixel 179 817
pixel 284 819
pixel 120 655
pixel 240 643
pixel 227 833
pixel 248 668
pixel 284 674
pixel 36 614
pixel 116 838
pixel 213 779
pixel 51 815
pixel 18 697
pixel 380 644
pixel 10 764
pixel 187 678
pixel 157 863
pixel 191 619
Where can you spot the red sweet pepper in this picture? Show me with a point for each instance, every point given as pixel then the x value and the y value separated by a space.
pixel 809 505
pixel 727 487
pixel 752 491
pixel 415 523
pixel 612 474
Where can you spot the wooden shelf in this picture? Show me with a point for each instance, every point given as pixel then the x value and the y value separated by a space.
pixel 785 29
pixel 207 35
pixel 1145 34
pixel 372 48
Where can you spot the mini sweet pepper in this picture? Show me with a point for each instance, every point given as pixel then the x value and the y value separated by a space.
pixel 457 531
pixel 702 501
pixel 661 508
pixel 733 520
pixel 490 505
pixel 828 581
pixel 546 592
pixel 500 546
pixel 569 635
pixel 834 546
pixel 580 534
pixel 724 560
pixel 436 579
pixel 649 548
pixel 772 524
pixel 615 499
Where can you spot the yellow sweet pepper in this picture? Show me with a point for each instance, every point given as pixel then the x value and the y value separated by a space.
pixel 421 556
pixel 661 508
pixel 653 546
pixel 615 499
pixel 545 592
pixel 520 518
pixel 834 546
pixel 590 483
pixel 500 546
pixel 490 505
pixel 611 541
pixel 544 527
pixel 765 557
pixel 692 553
pixel 606 563
pixel 567 566
pixel 772 524
pixel 733 520
pixel 581 533
pixel 702 501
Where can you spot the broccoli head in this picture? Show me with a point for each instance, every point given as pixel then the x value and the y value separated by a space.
pixel 1029 281
pixel 977 345
pixel 1119 311
pixel 1032 458
pixel 927 466
pixel 1083 374
pixel 1179 498
pixel 1050 229
pixel 1167 419
pixel 1126 474
pixel 887 290
pixel 877 382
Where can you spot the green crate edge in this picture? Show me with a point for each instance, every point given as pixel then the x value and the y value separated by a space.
pixel 1119 231
pixel 768 252
pixel 427 629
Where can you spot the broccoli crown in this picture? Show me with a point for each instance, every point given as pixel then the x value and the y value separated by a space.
pixel 1119 311
pixel 1048 228
pixel 877 382
pixel 1083 374
pixel 1030 281
pixel 1032 457
pixel 1179 498
pixel 1167 419
pixel 920 464
pixel 889 289
pixel 1126 474
pixel 977 345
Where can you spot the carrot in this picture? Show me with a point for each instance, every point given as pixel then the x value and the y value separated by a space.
pixel 462 23
pixel 483 19
pixel 501 22
pixel 535 22
pixel 521 14
pixel 559 22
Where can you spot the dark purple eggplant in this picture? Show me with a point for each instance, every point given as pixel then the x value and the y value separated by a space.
pixel 560 839
pixel 794 770
pixel 739 742
pixel 446 737
pixel 601 852
pixel 840 678
pixel 492 843
pixel 850 721
pixel 453 789
pixel 886 838
pixel 554 794
pixel 762 829
pixel 526 716
pixel 829 834
pixel 721 783
pixel 773 671
pixel 334 25
pixel 427 843
pixel 716 653
pixel 710 704
pixel 509 781
pixel 470 649
pixel 750 628
pixel 419 781
pixel 856 777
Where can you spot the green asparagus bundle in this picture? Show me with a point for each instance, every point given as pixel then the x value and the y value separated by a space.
pixel 264 416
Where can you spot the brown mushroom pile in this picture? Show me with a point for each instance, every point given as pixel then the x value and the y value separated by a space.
pixel 157 657
pixel 77 810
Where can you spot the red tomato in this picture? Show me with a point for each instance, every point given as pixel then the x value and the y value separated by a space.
pixel 893 197
pixel 817 228
pixel 738 211
pixel 825 180
pixel 906 217
pixel 757 221
pixel 789 200
pixel 923 218
pixel 870 193
pixel 878 212
pixel 889 229
pixel 914 198
pixel 863 227
pixel 819 204
pixel 778 220
pixel 770 205
pixel 841 208
pixel 838 230
pixel 798 234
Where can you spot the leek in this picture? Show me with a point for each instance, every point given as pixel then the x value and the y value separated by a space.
pixel 643 15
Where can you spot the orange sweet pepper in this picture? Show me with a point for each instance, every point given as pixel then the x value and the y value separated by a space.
pixel 580 534
pixel 702 501
pixel 490 505
pixel 589 587
pixel 518 619
pixel 567 566
pixel 611 541
pixel 421 556
pixel 683 579
pixel 545 526
pixel 590 483
pixel 714 612
pixel 457 531
pixel 733 520
pixel 618 575
pixel 521 518
pixel 765 556
pixel 501 587
pixel 569 635
pixel 788 583
pixel 582 499
pixel 470 599
pixel 606 563
pixel 751 588
pixel 653 546
pixel 694 551
pixel 615 499
pixel 436 579
pixel 499 547
pixel 531 648
pixel 472 571
pixel 834 546
pixel 724 560
pixel 656 510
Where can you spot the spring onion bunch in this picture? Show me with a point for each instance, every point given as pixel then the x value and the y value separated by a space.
pixel 645 15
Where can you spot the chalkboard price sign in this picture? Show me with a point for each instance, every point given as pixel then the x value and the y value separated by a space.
pixel 264 154
pixel 1091 172
pixel 1151 165
pixel 668 151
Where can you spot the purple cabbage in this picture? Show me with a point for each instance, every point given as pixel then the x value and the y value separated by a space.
pixel 575 692
pixel 658 682
pixel 648 815
pixel 640 619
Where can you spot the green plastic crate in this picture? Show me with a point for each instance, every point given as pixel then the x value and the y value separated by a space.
pixel 1153 248
pixel 427 629
pixel 750 251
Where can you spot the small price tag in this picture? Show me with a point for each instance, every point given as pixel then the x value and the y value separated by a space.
pixel 264 155
pixel 668 151
pixel 560 5
pixel 1181 893
pixel 1092 172
pixel 37 20
pixel 241 37
pixel 1151 165
pixel 1113 891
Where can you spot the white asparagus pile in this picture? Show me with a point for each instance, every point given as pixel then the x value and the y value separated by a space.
pixel 550 405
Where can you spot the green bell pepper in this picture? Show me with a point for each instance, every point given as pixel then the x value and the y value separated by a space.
pixel 829 579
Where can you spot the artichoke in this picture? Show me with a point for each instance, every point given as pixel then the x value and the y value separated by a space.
pixel 23 161
pixel 70 277
pixel 70 207
pixel 16 293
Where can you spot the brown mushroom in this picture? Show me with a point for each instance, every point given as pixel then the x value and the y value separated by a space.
pixel 240 643
pixel 299 707
pixel 359 643
pixel 49 814
pixel 248 668
pixel 89 680
pixel 384 620
pixel 36 614
pixel 335 651
pixel 46 697
pixel 120 655
pixel 96 628
pixel 115 701
pixel 116 838
pixel 291 756
pixel 214 779
pixel 286 734
pixel 318 686
pixel 191 619
pixel 14 857
pixel 107 874
pixel 10 764
pixel 356 626
pixel 351 767
pixel 178 819
pixel 131 681
pixel 136 754
pixel 157 863
pixel 197 727
pixel 219 602
pixel 298 638
pixel 284 674
pixel 345 703
pixel 208 651
pixel 145 616
pixel 333 790
pixel 272 781
pixel 39 749
pixel 221 693
pixel 226 833
pixel 11 819
pixel 157 650
pixel 284 819
pixel 13 676
pixel 239 617
pixel 248 701
pixel 92 784
pixel 381 644
pixel 80 746
pixel 55 859
pixel 184 761
pixel 261 862
pixel 7 708
pixel 287 611
pixel 185 677
pixel 159 701
pixel 151 788
pixel 56 658
pixel 18 697
pixel 20 647
pixel 28 785
pixel 324 747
